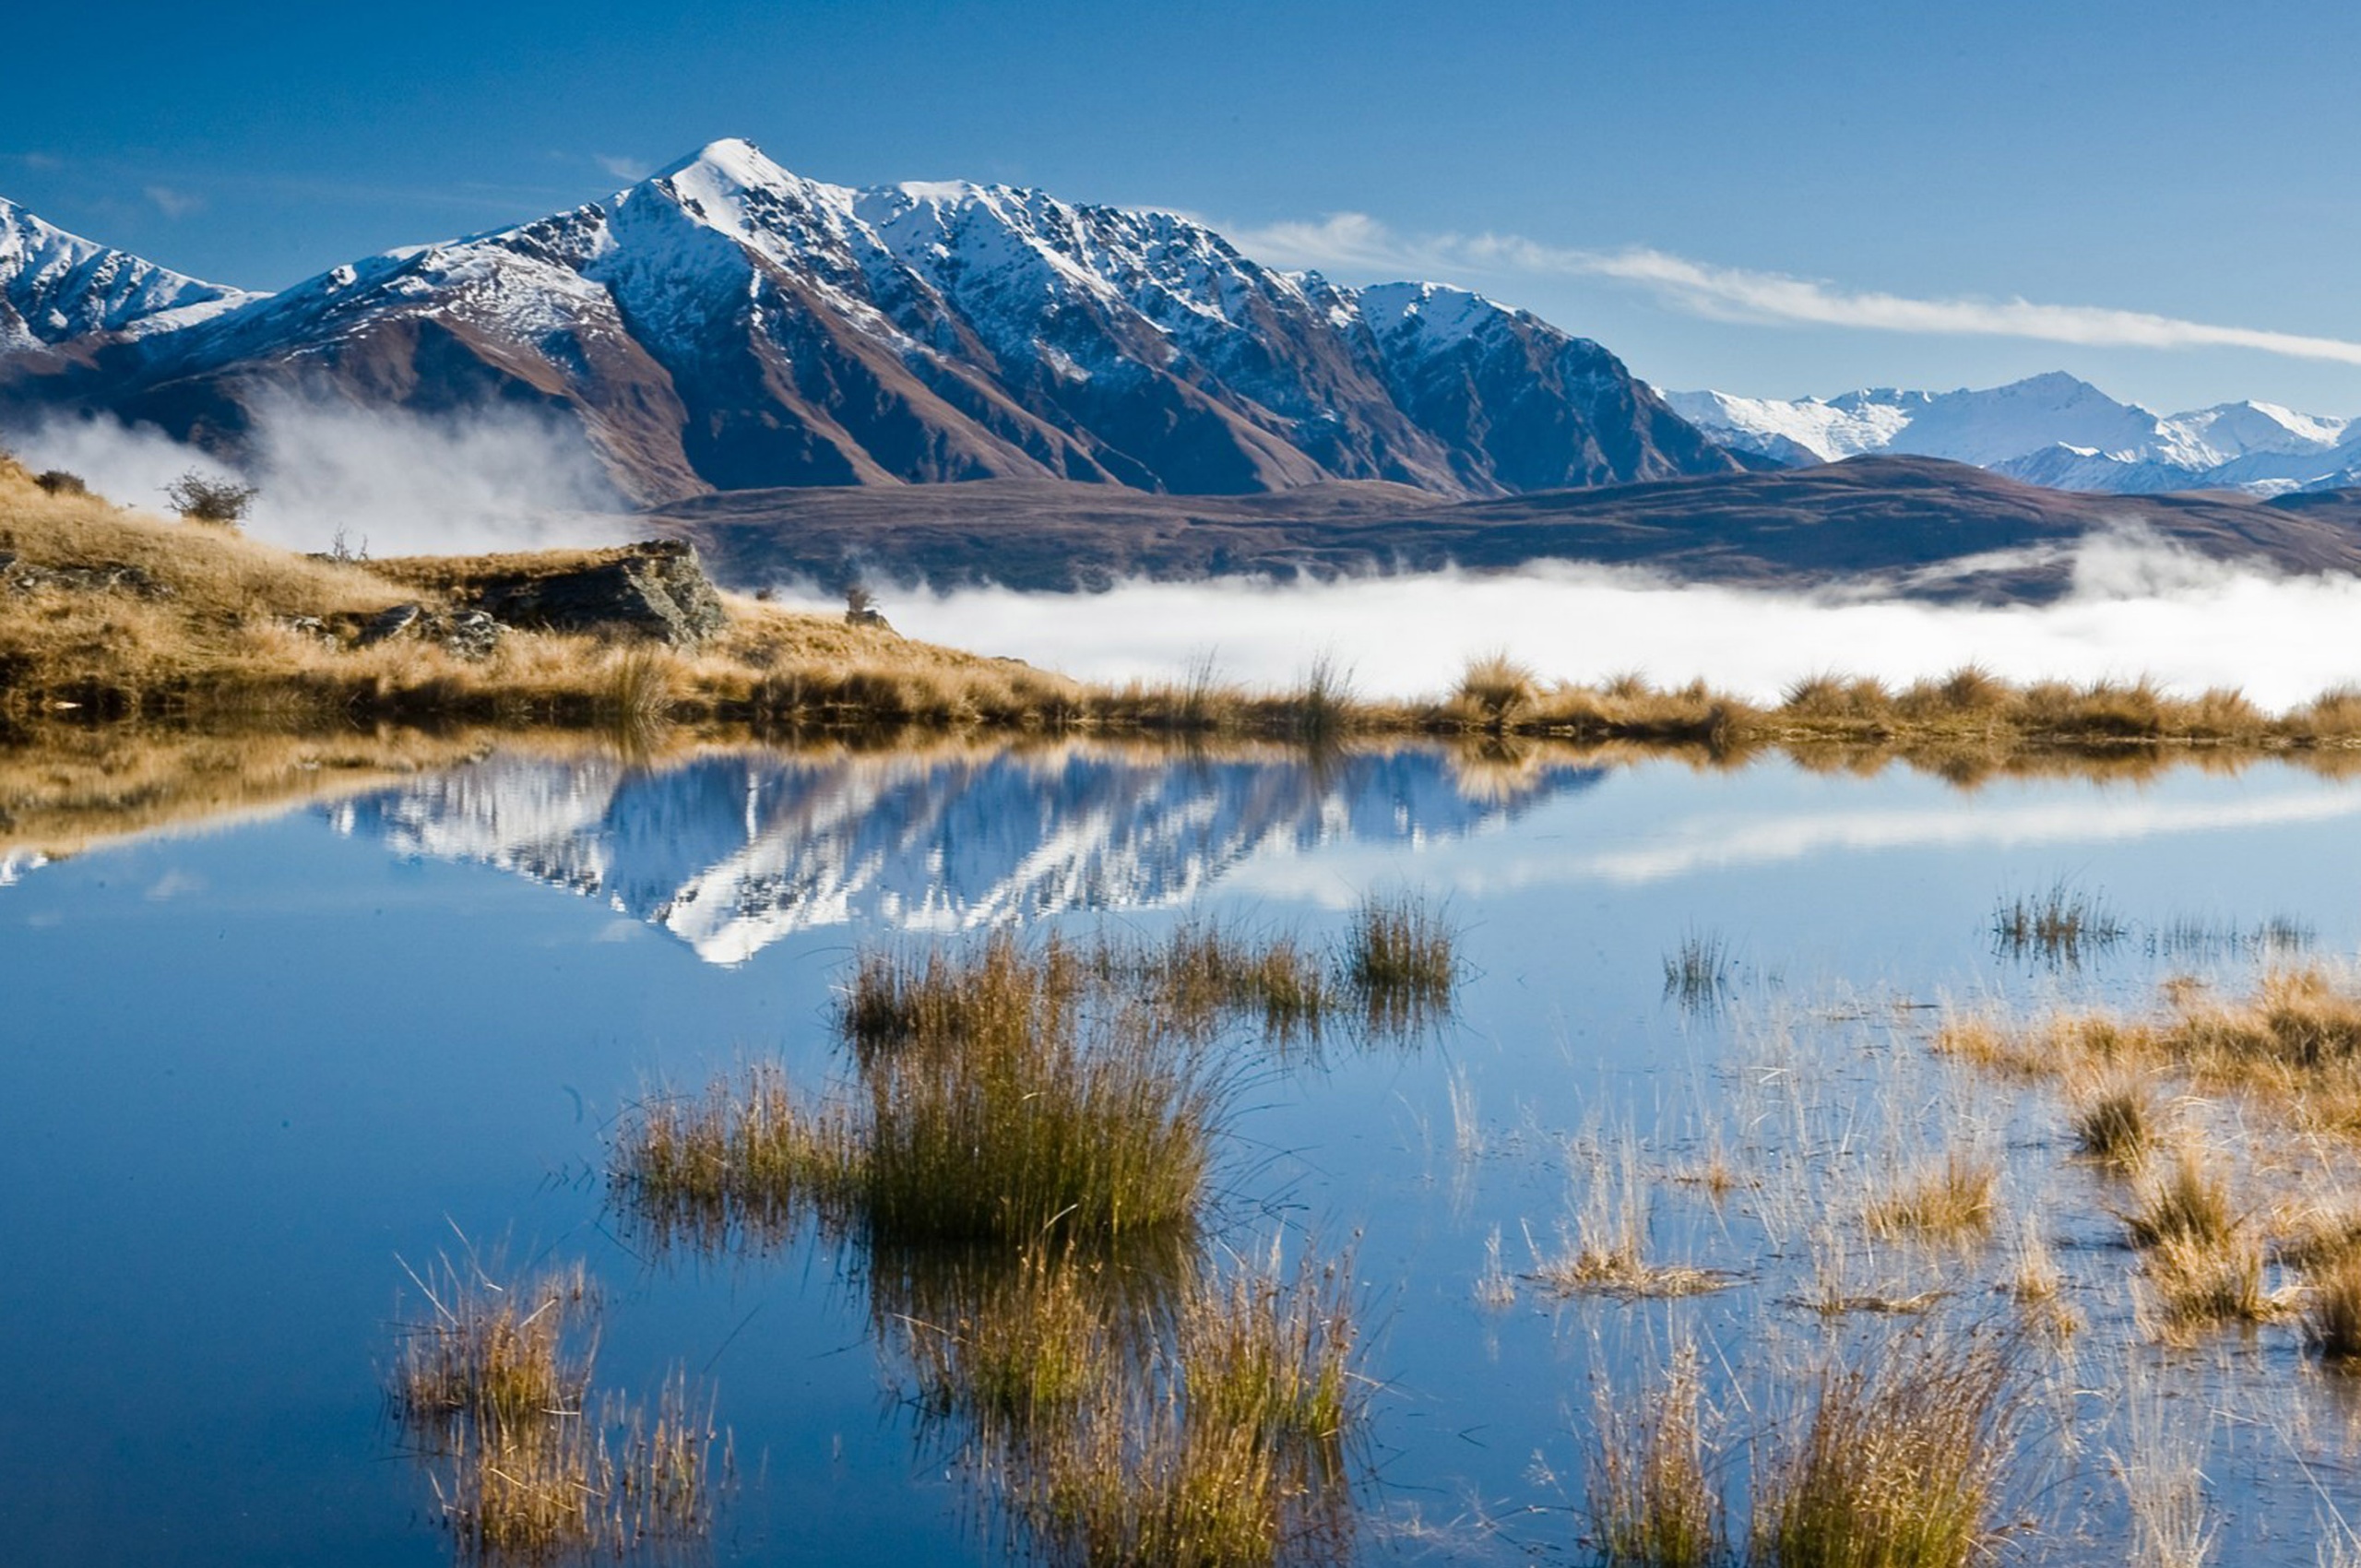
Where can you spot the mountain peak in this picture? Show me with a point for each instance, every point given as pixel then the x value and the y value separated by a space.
pixel 56 285
pixel 732 158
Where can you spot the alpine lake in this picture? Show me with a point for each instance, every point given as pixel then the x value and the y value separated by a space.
pixel 301 1076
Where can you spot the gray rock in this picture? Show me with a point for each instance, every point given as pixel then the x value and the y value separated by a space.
pixel 472 634
pixel 656 589
pixel 104 576
pixel 868 618
pixel 386 625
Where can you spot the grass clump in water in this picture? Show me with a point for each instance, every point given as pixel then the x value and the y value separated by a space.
pixel 1897 1463
pixel 989 1105
pixel 1400 960
pixel 493 1392
pixel 2114 1119
pixel 1652 1502
pixel 2187 1201
pixel 1950 1202
pixel 2061 925
pixel 1225 1448
pixel 2332 1311
pixel 743 1161
pixel 1697 973
pixel 1013 1136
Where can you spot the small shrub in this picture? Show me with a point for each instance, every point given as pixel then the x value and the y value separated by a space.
pixel 202 498
pixel 58 482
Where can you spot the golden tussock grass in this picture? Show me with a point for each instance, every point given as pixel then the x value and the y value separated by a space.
pixel 2292 1046
pixel 218 623
pixel 1953 1201
pixel 2332 1310
pixel 1651 1495
pixel 1897 1461
pixel 2114 1115
pixel 494 1391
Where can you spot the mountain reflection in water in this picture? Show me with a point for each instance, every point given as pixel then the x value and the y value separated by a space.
pixel 732 851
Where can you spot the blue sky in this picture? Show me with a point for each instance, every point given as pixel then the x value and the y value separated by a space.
pixel 1773 199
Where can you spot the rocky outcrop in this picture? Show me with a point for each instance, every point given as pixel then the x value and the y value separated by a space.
pixel 655 589
pixel 101 576
pixel 470 633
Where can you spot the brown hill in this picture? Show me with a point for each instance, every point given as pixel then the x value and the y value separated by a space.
pixel 1916 526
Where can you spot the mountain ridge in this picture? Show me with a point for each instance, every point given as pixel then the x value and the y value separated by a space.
pixel 726 325
pixel 2054 429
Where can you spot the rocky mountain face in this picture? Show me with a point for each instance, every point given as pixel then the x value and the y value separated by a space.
pixel 58 287
pixel 727 324
pixel 2050 430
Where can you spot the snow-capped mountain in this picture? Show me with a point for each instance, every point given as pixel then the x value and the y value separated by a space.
pixel 729 325
pixel 733 852
pixel 2052 430
pixel 55 287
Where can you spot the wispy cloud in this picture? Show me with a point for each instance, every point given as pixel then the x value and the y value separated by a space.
pixel 1355 242
pixel 173 203
pixel 624 168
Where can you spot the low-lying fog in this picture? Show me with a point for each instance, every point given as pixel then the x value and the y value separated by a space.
pixel 396 482
pixel 2137 607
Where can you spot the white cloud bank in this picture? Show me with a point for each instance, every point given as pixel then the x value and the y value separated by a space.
pixel 2136 608
pixel 1355 242
pixel 390 482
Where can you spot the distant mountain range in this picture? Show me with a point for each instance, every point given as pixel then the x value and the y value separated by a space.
pixel 787 372
pixel 2050 430
pixel 727 324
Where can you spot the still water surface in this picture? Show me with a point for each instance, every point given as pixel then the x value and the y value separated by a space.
pixel 252 1071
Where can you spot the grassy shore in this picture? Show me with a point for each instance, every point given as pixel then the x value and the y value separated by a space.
pixel 111 613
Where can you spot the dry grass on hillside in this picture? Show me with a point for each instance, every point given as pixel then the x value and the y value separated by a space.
pixel 209 623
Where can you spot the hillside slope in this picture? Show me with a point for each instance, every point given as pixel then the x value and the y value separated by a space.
pixel 1913 526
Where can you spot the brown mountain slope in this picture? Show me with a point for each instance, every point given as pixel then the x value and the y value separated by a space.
pixel 1911 525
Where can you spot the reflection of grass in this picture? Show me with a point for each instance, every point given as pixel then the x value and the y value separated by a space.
pixel 1697 972
pixel 494 1390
